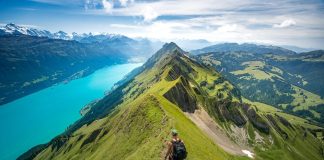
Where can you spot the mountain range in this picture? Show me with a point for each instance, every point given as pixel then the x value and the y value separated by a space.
pixel 32 59
pixel 173 90
pixel 13 29
pixel 247 47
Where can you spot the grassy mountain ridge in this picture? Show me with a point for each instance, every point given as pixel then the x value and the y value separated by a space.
pixel 134 120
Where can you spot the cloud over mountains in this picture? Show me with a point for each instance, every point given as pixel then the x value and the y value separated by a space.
pixel 293 22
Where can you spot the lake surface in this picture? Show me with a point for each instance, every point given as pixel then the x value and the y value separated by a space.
pixel 39 117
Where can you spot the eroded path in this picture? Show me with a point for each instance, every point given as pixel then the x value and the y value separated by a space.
pixel 209 126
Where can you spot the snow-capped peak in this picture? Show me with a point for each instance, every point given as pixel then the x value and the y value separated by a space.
pixel 13 29
pixel 62 35
pixel 12 26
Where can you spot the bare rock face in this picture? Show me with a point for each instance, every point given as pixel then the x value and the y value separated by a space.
pixel 174 73
pixel 226 110
pixel 181 95
pixel 277 127
pixel 256 120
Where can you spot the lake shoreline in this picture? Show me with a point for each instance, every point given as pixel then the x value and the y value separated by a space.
pixel 39 117
pixel 54 81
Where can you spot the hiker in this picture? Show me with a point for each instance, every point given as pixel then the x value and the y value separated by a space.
pixel 176 148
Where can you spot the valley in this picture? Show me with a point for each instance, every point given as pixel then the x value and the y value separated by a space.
pixel 288 82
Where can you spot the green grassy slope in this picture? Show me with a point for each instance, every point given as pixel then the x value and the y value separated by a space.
pixel 154 100
pixel 138 131
pixel 289 82
pixel 139 127
pixel 290 139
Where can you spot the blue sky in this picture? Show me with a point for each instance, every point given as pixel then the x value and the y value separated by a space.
pixel 278 22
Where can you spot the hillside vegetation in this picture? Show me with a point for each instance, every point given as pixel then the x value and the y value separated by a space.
pixel 291 82
pixel 134 120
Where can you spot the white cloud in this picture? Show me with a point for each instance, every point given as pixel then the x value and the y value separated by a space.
pixel 285 23
pixel 177 7
pixel 149 13
pixel 224 21
pixel 221 29
pixel 125 2
pixel 228 28
pixel 108 6
pixel 124 26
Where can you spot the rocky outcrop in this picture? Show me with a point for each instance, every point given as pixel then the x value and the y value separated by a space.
pixel 227 110
pixel 256 120
pixel 273 122
pixel 284 122
pixel 179 68
pixel 181 95
pixel 174 73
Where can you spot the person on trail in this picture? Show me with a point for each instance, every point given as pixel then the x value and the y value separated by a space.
pixel 176 148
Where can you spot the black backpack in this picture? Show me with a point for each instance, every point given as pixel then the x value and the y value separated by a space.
pixel 179 150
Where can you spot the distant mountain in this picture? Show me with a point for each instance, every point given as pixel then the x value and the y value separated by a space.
pixel 315 55
pixel 12 29
pixel 171 90
pixel 188 44
pixel 245 47
pixel 29 63
pixel 135 49
pixel 297 49
pixel 78 37
pixel 32 59
pixel 61 35
pixel 104 37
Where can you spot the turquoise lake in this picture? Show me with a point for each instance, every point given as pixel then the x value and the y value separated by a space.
pixel 39 117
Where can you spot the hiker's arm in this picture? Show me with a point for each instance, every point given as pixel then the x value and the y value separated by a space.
pixel 169 150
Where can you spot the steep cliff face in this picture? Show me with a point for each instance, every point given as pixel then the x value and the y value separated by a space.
pixel 134 120
pixel 256 120
pixel 227 111
pixel 181 95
